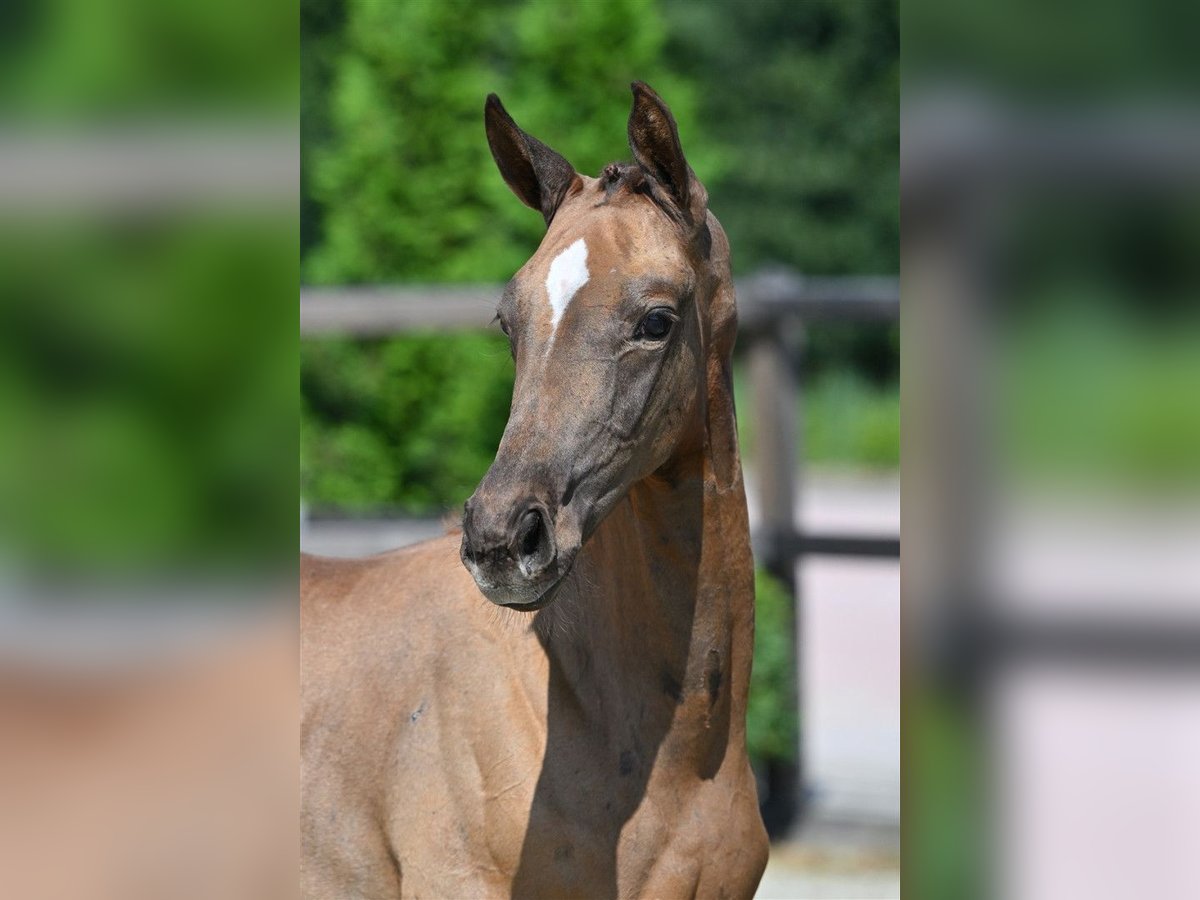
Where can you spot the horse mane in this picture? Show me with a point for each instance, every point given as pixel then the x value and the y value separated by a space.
pixel 631 178
pixel 618 175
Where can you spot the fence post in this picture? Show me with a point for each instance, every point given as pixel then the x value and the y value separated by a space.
pixel 776 396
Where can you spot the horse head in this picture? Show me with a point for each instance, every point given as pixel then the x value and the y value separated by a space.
pixel 611 323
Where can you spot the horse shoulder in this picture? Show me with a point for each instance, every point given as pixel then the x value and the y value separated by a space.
pixel 411 695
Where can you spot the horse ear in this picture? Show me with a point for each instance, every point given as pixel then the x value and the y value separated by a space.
pixel 537 175
pixel 654 140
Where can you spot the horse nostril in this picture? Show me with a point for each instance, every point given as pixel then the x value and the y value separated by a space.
pixel 533 542
pixel 523 549
pixel 531 532
pixel 468 550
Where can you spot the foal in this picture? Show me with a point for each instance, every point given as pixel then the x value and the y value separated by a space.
pixel 453 748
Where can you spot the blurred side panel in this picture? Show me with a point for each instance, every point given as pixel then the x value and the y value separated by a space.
pixel 1050 170
pixel 148 273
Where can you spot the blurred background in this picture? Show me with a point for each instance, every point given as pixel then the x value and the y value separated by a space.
pixel 149 227
pixel 1050 173
pixel 789 113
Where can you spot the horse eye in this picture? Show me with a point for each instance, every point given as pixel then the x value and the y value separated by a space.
pixel 656 325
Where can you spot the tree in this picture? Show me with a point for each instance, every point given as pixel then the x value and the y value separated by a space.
pixel 404 187
pixel 407 185
pixel 802 101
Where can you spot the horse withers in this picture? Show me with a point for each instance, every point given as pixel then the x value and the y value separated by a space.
pixel 583 733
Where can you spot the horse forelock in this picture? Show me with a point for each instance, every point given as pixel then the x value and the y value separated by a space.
pixel 618 175
pixel 618 178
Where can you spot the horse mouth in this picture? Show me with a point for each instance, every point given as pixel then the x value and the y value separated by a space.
pixel 544 599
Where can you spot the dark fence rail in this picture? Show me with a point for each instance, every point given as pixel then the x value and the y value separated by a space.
pixel 773 308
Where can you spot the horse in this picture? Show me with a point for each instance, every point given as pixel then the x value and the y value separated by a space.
pixel 563 714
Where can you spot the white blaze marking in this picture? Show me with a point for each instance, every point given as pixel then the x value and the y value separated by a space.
pixel 568 273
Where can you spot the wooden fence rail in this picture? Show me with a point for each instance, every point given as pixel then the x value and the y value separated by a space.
pixel 764 298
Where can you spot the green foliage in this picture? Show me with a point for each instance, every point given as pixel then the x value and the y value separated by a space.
pixel 1129 387
pixel 147 356
pixel 145 390
pixel 409 424
pixel 943 757
pixel 788 112
pixel 401 178
pixel 78 58
pixel 1071 50
pixel 399 168
pixel 802 101
pixel 847 420
pixel 771 713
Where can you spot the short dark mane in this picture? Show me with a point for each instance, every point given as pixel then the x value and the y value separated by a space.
pixel 618 176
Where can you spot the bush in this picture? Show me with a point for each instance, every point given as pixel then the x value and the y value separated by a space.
pixel 771 731
pixel 844 420
pixel 402 185
pixel 408 423
pixel 848 421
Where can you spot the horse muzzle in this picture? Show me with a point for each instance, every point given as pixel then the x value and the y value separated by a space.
pixel 510 550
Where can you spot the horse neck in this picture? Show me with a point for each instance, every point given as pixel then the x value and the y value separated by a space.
pixel 662 613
